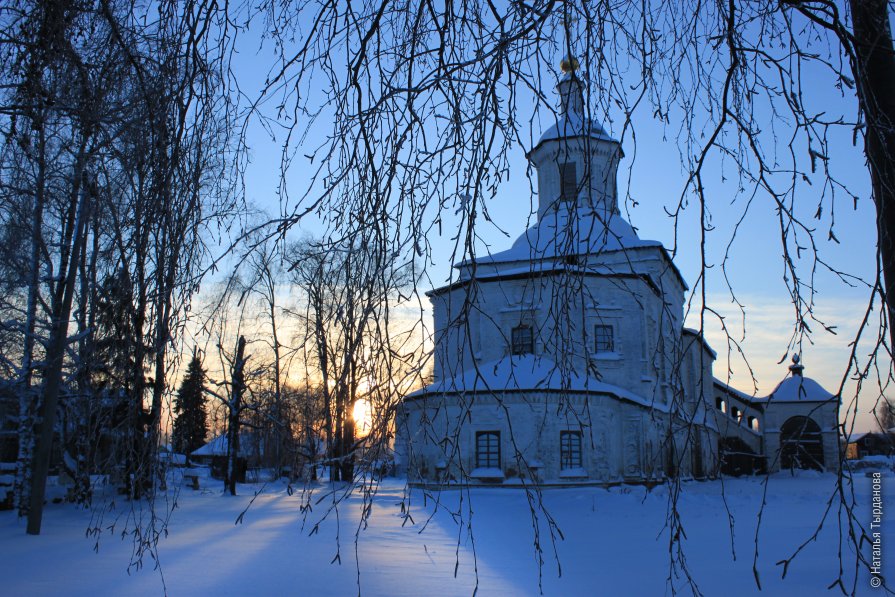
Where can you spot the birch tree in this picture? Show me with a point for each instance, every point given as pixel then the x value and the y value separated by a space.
pixel 114 117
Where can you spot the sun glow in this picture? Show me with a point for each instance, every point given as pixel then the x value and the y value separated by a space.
pixel 363 418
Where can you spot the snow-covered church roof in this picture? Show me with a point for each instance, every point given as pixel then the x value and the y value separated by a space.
pixel 572 120
pixel 798 388
pixel 527 373
pixel 562 233
pixel 801 389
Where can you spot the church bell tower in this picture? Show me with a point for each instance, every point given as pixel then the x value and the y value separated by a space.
pixel 576 160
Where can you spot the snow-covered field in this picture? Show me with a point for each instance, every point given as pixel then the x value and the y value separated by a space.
pixel 614 543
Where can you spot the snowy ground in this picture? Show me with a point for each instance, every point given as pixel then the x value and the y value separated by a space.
pixel 615 543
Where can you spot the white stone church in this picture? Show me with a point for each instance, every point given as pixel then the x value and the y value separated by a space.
pixel 564 358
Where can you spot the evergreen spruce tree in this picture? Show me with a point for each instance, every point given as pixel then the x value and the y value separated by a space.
pixel 191 422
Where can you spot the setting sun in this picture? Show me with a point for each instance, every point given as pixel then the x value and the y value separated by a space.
pixel 363 417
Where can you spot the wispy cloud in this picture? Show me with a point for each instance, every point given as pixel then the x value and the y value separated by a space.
pixel 768 335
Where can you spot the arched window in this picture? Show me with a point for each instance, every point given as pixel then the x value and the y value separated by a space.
pixel 753 423
pixel 736 414
pixel 801 444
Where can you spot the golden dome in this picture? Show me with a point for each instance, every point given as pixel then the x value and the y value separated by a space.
pixel 568 64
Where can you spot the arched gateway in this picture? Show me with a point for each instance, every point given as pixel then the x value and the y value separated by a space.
pixel 801 444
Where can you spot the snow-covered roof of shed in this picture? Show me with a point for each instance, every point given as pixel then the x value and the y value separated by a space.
pixel 528 373
pixel 216 447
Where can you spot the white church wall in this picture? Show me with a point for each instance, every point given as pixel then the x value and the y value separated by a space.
pixel 596 175
pixel 825 414
pixel 559 332
pixel 620 442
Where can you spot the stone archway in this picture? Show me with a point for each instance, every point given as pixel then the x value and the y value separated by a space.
pixel 801 444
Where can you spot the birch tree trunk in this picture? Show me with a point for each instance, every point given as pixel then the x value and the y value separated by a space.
pixel 237 381
pixel 56 349
pixel 27 399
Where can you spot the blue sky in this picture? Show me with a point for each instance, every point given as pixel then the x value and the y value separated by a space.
pixel 653 176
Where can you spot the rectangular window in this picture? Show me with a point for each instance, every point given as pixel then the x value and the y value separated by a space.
pixel 487 449
pixel 522 340
pixel 569 449
pixel 568 181
pixel 603 338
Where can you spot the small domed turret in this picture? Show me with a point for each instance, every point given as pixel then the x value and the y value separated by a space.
pixel 798 388
pixel 576 160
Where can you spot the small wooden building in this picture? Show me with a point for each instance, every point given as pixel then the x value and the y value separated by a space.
pixel 870 444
